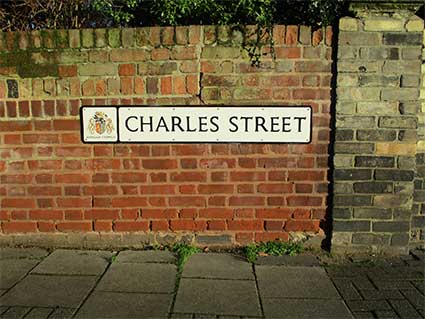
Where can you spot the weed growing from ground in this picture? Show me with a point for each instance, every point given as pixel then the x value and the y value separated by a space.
pixel 274 248
pixel 183 253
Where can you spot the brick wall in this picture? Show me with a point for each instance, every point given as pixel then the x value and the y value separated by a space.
pixel 378 150
pixel 56 191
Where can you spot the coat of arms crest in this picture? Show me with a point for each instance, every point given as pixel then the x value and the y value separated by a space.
pixel 100 123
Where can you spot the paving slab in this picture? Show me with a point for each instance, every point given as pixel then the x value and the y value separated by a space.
pixel 147 256
pixel 217 297
pixel 15 312
pixel 49 291
pixel 124 305
pixel 62 313
pixel 305 308
pixel 39 313
pixel 405 310
pixel 220 266
pixel 130 277
pixel 74 262
pixel 19 253
pixel 295 282
pixel 286 260
pixel 12 270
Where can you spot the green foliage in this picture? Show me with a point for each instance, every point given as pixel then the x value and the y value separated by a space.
pixel 183 253
pixel 115 12
pixel 274 248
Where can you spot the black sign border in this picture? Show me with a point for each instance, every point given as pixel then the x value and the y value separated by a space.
pixel 198 142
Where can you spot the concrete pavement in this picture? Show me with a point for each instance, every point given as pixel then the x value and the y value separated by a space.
pixel 35 283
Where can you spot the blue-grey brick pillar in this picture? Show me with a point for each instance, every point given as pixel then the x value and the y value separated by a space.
pixel 378 174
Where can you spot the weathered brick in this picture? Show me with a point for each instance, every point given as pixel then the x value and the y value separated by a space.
pixel 388 108
pixel 352 226
pixel 370 239
pixel 390 226
pixel 352 200
pixel 397 122
pixel 376 135
pixel 360 38
pixel 383 24
pixel 344 135
pixel 373 187
pixel 355 121
pixel 354 148
pixel 379 53
pixel 372 213
pixel 394 175
pixel 348 24
pixel 392 201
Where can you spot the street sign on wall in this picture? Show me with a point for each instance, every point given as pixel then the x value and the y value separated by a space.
pixel 196 124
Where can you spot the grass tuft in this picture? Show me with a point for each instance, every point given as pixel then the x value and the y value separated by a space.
pixel 274 248
pixel 183 253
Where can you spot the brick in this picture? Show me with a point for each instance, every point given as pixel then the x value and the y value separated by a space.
pixel 390 226
pixel 374 161
pixel 19 227
pixel 402 39
pixel 394 175
pixel 360 38
pixel 351 226
pixel 397 122
pixel 18 202
pixel 373 187
pixel 348 24
pixel 246 201
pixel 376 135
pixel 125 226
pixel 383 24
pixel 96 69
pixel 372 213
pixel 395 149
pixel 350 200
pixel 353 174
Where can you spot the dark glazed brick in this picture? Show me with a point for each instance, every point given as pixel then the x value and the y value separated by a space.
pixel 376 135
pixel 394 175
pixel 353 174
pixel 344 135
pixel 391 227
pixel 373 187
pixel 403 38
pixel 374 161
pixel 351 226
pixel 12 89
pixel 341 213
pixel 352 200
pixel 418 221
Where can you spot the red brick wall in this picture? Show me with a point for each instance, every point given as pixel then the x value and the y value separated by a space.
pixel 51 182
